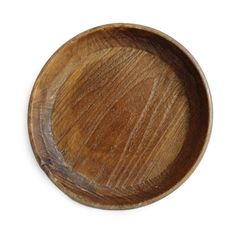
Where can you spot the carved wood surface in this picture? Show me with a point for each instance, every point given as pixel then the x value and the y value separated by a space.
pixel 119 116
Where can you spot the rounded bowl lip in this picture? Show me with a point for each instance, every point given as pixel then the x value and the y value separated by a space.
pixel 207 137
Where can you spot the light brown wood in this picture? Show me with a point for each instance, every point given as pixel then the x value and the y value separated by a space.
pixel 120 116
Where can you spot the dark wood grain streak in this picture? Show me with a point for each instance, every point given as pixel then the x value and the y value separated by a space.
pixel 120 116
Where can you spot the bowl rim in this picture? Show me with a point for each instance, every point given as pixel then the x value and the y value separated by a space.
pixel 209 124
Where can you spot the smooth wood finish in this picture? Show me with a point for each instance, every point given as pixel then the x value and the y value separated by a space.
pixel 119 116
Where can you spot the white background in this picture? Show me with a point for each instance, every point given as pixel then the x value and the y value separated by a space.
pixel 30 31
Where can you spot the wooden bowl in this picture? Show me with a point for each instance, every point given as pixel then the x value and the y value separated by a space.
pixel 119 116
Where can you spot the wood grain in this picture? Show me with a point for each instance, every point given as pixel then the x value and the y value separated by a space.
pixel 119 116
